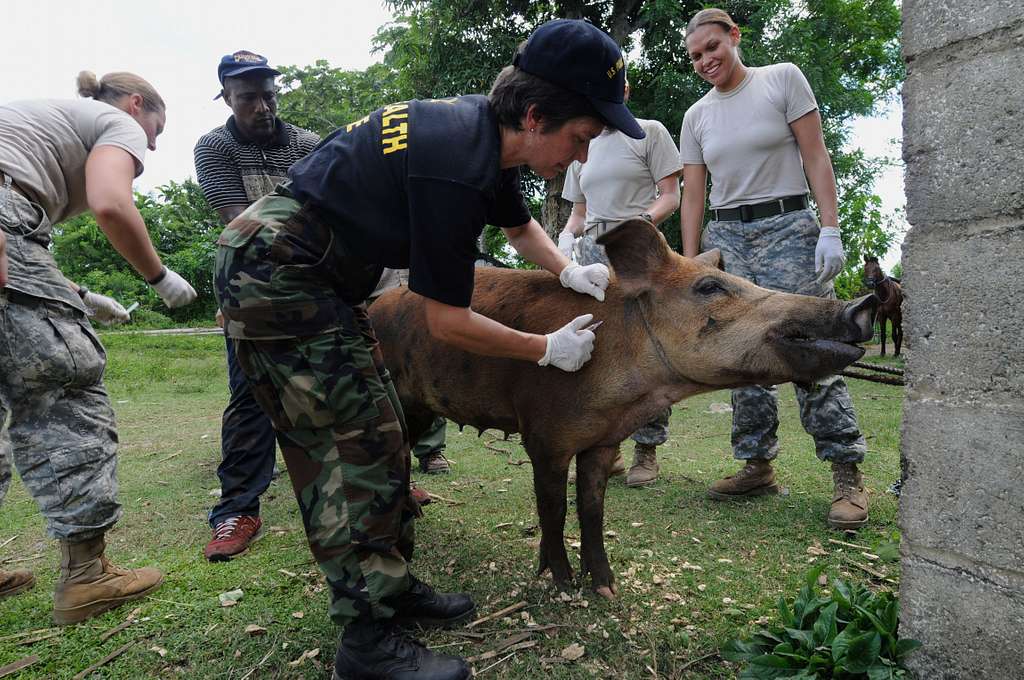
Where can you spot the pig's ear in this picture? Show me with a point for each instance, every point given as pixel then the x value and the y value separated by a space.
pixel 636 250
pixel 712 258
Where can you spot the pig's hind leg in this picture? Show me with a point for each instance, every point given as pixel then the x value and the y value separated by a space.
pixel 550 478
pixel 592 468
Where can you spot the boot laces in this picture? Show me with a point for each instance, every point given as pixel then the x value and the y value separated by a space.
pixel 225 529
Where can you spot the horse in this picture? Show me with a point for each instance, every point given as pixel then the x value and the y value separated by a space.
pixel 890 297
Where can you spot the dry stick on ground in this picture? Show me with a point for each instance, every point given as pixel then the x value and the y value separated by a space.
pixel 110 657
pixel 439 497
pixel 696 661
pixel 28 633
pixel 121 626
pixel 8 540
pixel 498 614
pixel 499 661
pixel 849 545
pixel 262 661
pixel 874 572
pixel 501 647
pixel 17 665
pixel 38 638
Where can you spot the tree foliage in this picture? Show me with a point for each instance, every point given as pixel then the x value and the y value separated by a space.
pixel 849 50
pixel 184 231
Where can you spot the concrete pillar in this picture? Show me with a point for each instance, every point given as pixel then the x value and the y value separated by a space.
pixel 962 510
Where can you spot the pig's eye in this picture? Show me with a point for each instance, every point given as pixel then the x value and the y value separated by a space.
pixel 708 287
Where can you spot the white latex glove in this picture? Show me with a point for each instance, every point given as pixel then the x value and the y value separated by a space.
pixel 104 309
pixel 591 279
pixel 565 241
pixel 173 290
pixel 570 346
pixel 829 257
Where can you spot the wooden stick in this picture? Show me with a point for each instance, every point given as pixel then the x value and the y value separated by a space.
pixel 500 648
pixel 27 634
pixel 697 661
pixel 515 649
pixel 849 545
pixel 439 497
pixel 498 614
pixel 253 669
pixel 874 572
pixel 38 638
pixel 18 665
pixel 8 540
pixel 109 657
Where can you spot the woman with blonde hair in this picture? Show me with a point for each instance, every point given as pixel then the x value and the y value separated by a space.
pixel 58 159
pixel 758 134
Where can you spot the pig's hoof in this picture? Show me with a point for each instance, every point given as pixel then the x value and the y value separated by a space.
pixel 607 592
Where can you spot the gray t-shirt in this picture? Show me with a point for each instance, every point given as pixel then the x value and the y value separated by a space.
pixel 44 145
pixel 744 139
pixel 620 178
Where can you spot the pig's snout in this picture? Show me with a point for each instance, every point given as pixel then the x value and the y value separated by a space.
pixel 859 315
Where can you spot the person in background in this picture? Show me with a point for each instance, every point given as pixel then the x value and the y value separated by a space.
pixel 758 134
pixel 58 159
pixel 411 185
pixel 624 178
pixel 236 164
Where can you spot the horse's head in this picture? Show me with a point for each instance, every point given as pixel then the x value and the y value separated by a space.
pixel 872 271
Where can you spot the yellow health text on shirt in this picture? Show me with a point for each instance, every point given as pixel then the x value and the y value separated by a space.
pixel 394 127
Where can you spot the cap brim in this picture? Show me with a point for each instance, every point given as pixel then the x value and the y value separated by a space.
pixel 245 69
pixel 619 117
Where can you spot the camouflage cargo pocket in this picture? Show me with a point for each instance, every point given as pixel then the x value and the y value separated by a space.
pixel 319 381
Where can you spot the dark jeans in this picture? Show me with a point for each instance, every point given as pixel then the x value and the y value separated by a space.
pixel 248 447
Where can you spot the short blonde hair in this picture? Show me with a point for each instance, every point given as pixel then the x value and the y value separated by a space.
pixel 113 86
pixel 711 15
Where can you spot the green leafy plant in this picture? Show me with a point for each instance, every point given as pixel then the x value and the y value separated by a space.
pixel 848 633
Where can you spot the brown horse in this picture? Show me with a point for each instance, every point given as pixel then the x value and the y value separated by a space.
pixel 890 296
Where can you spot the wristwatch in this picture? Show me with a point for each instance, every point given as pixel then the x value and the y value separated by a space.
pixel 82 292
pixel 647 216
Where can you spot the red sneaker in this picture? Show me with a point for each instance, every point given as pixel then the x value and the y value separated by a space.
pixel 421 496
pixel 232 537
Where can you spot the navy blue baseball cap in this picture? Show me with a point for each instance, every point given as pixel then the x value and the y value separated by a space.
pixel 583 59
pixel 242 61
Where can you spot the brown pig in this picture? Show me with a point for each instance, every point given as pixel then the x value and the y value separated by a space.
pixel 672 327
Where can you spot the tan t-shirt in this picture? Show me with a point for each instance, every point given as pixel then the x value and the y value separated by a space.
pixel 620 178
pixel 744 139
pixel 44 145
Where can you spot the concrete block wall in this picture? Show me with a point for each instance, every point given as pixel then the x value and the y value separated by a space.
pixel 962 509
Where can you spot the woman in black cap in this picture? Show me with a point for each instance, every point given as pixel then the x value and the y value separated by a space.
pixel 409 186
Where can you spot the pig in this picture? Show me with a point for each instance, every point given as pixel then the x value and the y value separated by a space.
pixel 672 327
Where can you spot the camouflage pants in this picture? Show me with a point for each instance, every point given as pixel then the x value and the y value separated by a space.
pixel 432 440
pixel 654 433
pixel 62 435
pixel 340 427
pixel 778 253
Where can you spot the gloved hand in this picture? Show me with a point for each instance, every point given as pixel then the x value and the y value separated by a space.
pixel 570 346
pixel 591 279
pixel 829 257
pixel 565 242
pixel 104 309
pixel 172 289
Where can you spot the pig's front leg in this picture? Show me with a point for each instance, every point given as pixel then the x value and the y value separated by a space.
pixel 550 477
pixel 592 468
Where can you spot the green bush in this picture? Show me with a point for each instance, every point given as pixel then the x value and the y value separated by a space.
pixel 849 633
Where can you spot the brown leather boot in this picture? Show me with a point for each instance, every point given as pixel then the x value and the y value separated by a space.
pixel 756 478
pixel 90 585
pixel 14 582
pixel 644 470
pixel 849 500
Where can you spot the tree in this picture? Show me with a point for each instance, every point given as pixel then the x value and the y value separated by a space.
pixel 184 231
pixel 849 50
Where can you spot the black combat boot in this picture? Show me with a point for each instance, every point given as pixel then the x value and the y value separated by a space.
pixel 421 606
pixel 374 650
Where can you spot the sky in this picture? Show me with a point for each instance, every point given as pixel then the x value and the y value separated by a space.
pixel 176 46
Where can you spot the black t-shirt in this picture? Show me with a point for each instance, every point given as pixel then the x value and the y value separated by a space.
pixel 412 186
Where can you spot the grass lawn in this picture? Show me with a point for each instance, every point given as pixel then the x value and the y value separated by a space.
pixel 691 572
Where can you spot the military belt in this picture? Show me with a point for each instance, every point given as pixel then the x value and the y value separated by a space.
pixel 759 211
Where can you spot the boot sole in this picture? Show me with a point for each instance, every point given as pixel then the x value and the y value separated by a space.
pixel 844 524
pixel 337 676
pixel 20 589
pixel 769 490
pixel 635 485
pixel 64 617
pixel 426 624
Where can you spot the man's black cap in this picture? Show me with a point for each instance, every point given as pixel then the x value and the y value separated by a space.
pixel 583 59
pixel 242 61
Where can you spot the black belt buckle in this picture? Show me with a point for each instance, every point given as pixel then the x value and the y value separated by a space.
pixel 746 213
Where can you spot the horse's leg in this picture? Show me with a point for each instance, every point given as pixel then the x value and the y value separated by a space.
pixel 592 468
pixel 897 339
pixel 881 333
